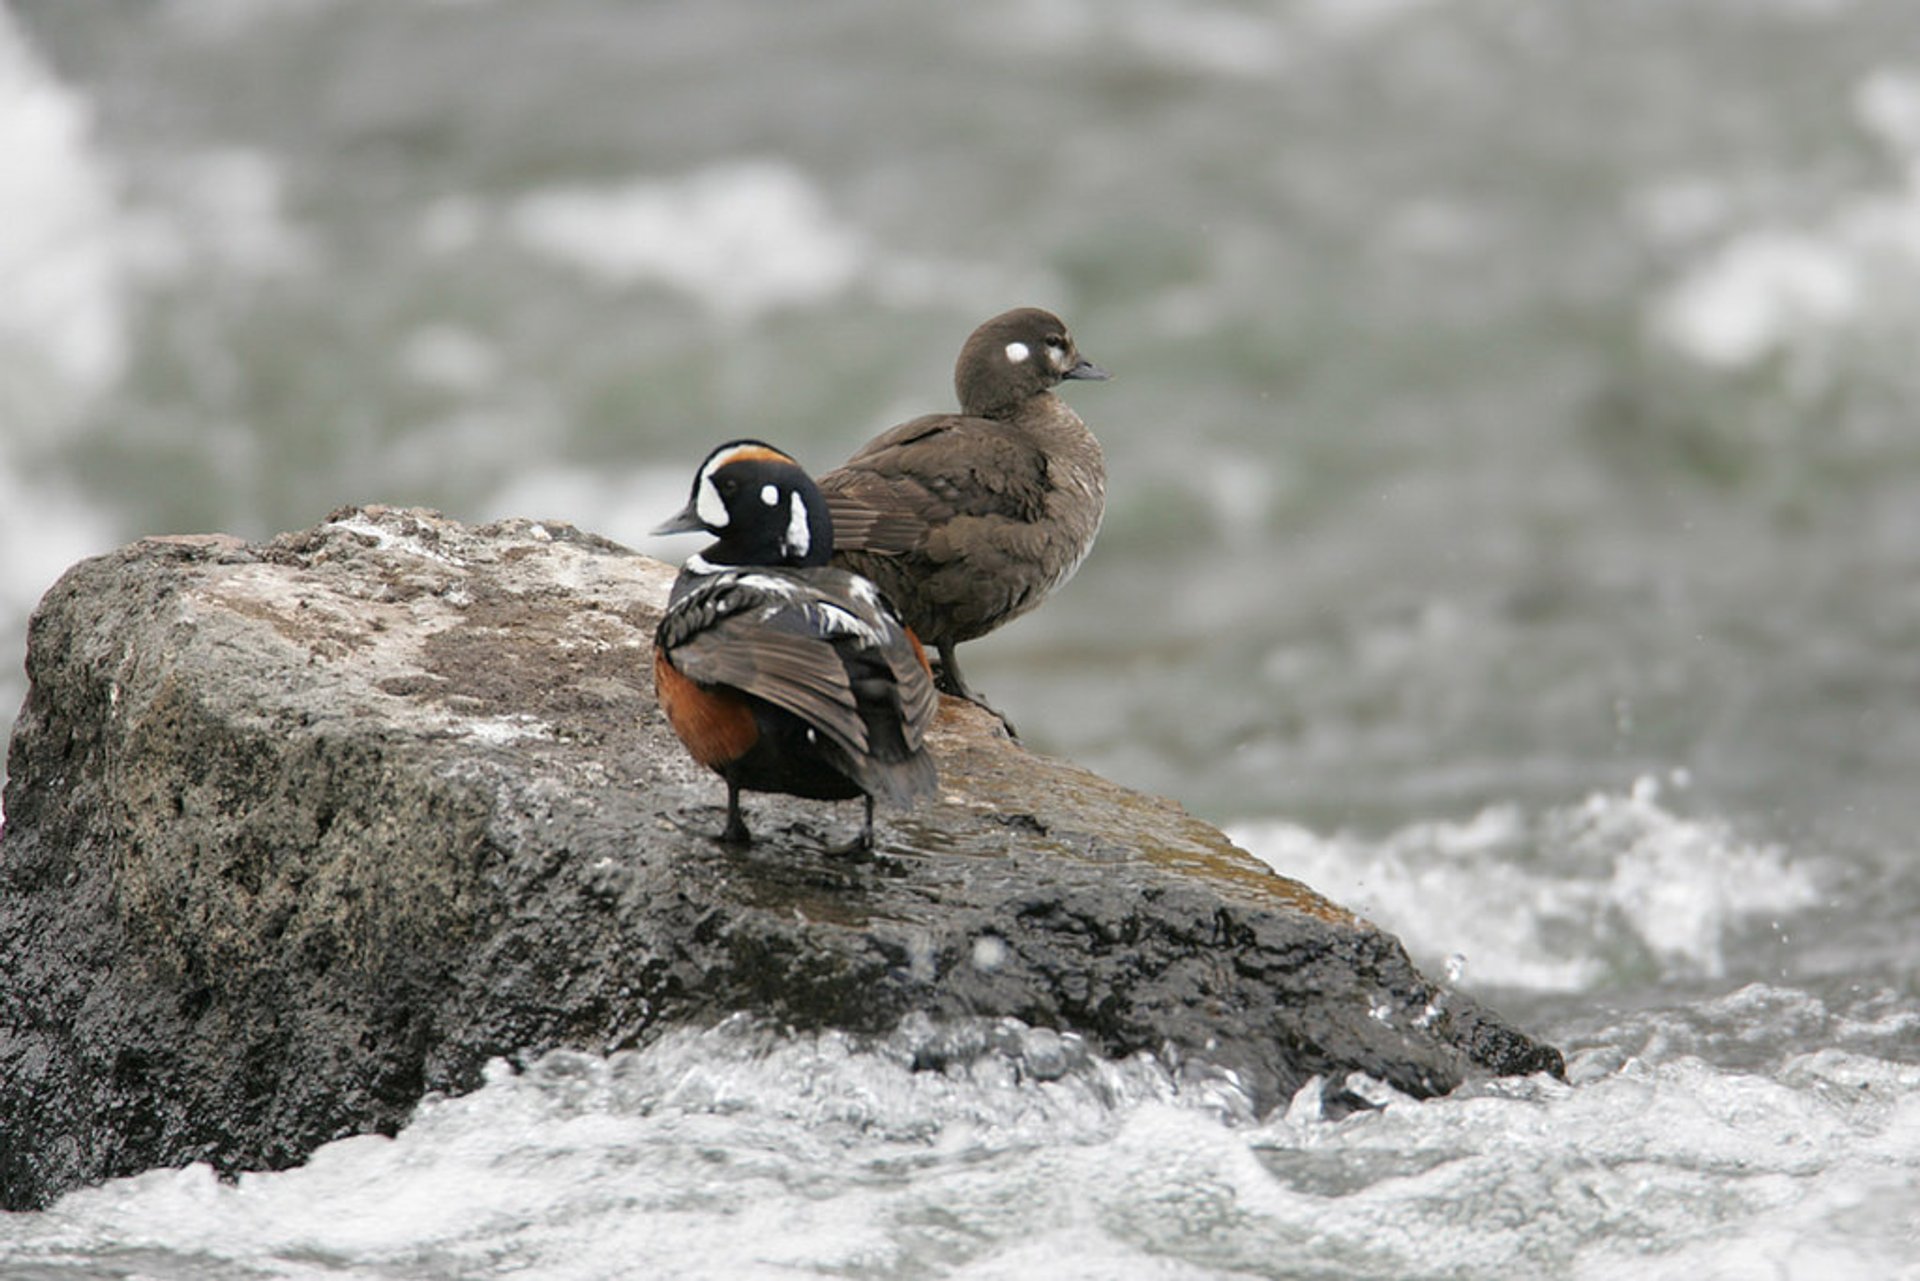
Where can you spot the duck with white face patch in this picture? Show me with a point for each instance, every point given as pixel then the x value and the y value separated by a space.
pixel 967 521
pixel 777 671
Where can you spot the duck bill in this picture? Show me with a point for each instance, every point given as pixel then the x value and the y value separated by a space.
pixel 685 521
pixel 1089 371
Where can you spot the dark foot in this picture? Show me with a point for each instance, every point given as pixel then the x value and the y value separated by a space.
pixel 860 847
pixel 992 711
pixel 998 715
pixel 948 680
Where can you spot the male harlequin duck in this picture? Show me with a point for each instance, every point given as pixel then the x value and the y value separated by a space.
pixel 969 520
pixel 778 672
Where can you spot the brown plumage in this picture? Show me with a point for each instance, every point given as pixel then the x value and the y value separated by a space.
pixel 967 521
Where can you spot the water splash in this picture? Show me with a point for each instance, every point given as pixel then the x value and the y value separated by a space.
pixel 1797 289
pixel 997 1150
pixel 1612 890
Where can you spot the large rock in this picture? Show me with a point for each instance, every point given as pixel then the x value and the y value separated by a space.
pixel 297 832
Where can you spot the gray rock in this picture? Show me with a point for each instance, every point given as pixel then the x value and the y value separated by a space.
pixel 300 831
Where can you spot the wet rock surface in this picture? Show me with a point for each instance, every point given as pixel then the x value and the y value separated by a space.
pixel 299 831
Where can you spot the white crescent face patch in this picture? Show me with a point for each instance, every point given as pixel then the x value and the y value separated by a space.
pixel 709 506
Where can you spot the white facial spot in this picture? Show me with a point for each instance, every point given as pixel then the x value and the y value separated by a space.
pixel 709 506
pixel 799 538
pixel 770 495
pixel 1017 352
pixel 1057 355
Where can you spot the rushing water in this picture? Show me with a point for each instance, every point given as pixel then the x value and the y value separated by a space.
pixel 1514 533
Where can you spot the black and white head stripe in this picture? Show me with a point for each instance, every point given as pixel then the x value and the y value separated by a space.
pixel 708 503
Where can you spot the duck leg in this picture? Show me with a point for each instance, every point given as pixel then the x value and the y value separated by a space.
pixel 949 681
pixel 860 848
pixel 736 832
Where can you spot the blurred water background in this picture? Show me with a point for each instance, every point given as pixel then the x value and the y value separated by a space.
pixel 1514 531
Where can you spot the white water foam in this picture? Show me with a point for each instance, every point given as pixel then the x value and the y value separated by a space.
pixel 742 238
pixel 220 210
pixel 63 340
pixel 62 305
pixel 1772 289
pixel 1614 889
pixel 737 1152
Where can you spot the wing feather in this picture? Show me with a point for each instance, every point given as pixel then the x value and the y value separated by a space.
pixel 812 643
pixel 790 670
pixel 905 482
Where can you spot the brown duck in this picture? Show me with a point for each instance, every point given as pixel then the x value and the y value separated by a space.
pixel 967 521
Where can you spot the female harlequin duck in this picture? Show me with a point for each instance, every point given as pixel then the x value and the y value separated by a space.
pixel 780 673
pixel 967 521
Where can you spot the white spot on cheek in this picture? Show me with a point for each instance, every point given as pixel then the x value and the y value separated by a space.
pixel 799 539
pixel 1017 352
pixel 770 495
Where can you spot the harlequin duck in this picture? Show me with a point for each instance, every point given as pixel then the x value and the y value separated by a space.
pixel 968 520
pixel 778 672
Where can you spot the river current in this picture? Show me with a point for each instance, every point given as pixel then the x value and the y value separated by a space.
pixel 1514 533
